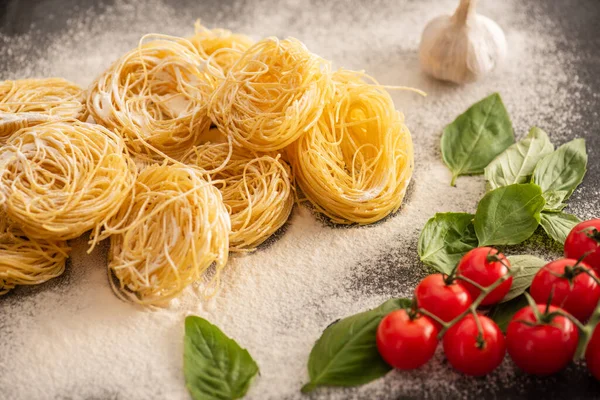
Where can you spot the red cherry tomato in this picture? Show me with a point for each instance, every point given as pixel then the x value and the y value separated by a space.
pixel 470 353
pixel 406 343
pixel 576 294
pixel 584 237
pixel 592 354
pixel 444 301
pixel 479 266
pixel 544 347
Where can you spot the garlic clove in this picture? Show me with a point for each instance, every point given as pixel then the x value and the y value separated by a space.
pixel 462 47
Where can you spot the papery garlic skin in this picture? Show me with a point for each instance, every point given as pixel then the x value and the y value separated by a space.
pixel 462 47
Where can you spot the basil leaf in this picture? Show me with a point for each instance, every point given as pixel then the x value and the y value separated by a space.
pixel 555 200
pixel 529 265
pixel 476 137
pixel 445 238
pixel 516 164
pixel 562 170
pixel 558 224
pixel 346 353
pixel 509 214
pixel 215 366
pixel 502 313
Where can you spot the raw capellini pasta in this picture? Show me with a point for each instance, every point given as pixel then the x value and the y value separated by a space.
pixel 221 46
pixel 28 102
pixel 155 96
pixel 256 190
pixel 355 164
pixel 173 228
pixel 61 179
pixel 273 94
pixel 25 261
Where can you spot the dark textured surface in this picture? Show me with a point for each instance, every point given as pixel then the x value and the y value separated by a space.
pixel 579 23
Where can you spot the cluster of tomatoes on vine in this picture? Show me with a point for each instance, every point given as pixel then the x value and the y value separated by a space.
pixel 542 338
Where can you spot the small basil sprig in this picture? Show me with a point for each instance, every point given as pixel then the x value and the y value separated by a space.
pixel 476 137
pixel 346 353
pixel 445 238
pixel 215 366
pixel 516 164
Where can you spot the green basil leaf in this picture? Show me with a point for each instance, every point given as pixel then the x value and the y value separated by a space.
pixel 516 164
pixel 445 238
pixel 562 170
pixel 509 214
pixel 502 313
pixel 529 266
pixel 346 353
pixel 555 200
pixel 476 137
pixel 558 224
pixel 215 366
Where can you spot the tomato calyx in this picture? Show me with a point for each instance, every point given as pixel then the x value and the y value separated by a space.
pixel 592 233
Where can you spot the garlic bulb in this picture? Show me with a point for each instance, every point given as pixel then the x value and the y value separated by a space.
pixel 462 47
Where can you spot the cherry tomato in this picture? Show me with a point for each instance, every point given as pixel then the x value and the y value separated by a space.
pixel 444 301
pixel 479 266
pixel 544 347
pixel 470 353
pixel 585 237
pixel 406 343
pixel 577 294
pixel 592 353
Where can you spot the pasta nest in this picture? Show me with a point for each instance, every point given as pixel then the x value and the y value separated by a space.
pixel 220 46
pixel 256 190
pixel 155 96
pixel 273 94
pixel 59 179
pixel 355 165
pixel 173 228
pixel 25 261
pixel 28 102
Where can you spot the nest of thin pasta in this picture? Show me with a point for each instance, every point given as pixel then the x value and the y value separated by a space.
pixel 25 261
pixel 61 179
pixel 28 102
pixel 256 190
pixel 220 46
pixel 273 94
pixel 173 228
pixel 155 96
pixel 355 164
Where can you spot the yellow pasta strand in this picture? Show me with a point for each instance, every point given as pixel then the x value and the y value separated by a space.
pixel 155 96
pixel 59 179
pixel 167 235
pixel 28 102
pixel 220 46
pixel 256 190
pixel 356 163
pixel 273 94
pixel 25 261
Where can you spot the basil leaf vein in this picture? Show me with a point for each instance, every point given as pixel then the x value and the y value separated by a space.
pixel 215 366
pixel 509 214
pixel 558 224
pixel 445 238
pixel 529 265
pixel 562 170
pixel 346 353
pixel 476 137
pixel 516 163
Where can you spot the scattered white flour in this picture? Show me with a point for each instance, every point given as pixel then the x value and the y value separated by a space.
pixel 73 339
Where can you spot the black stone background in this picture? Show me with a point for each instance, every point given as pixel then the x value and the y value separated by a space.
pixel 579 21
